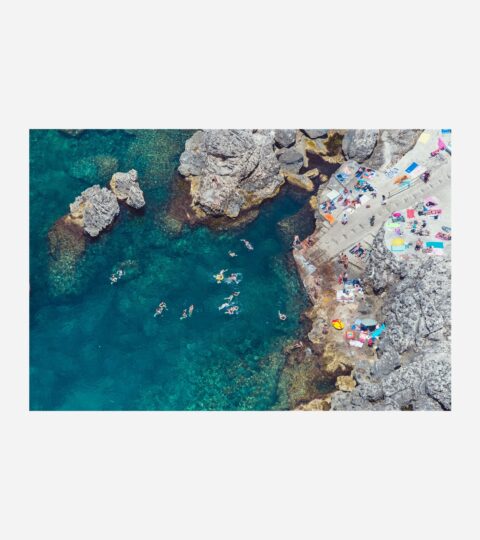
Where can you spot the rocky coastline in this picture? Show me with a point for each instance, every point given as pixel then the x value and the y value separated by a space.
pixel 231 172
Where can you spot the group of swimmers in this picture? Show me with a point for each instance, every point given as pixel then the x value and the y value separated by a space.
pixel 116 276
pixel 163 306
pixel 229 306
pixel 232 309
pixel 187 313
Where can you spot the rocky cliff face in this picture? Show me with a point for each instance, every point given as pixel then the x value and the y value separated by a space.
pixel 230 170
pixel 358 144
pixel 413 366
pixel 392 144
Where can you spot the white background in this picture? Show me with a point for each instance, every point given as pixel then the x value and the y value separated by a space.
pixel 93 64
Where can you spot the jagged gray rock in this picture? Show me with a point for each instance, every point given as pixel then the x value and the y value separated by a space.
pixel 358 144
pixel 413 366
pixel 291 160
pixel 230 170
pixel 126 188
pixel 315 133
pixel 392 144
pixel 285 137
pixel 94 210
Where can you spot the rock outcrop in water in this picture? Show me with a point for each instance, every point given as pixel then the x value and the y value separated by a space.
pixel 94 210
pixel 230 170
pixel 126 188
pixel 358 144
pixel 413 366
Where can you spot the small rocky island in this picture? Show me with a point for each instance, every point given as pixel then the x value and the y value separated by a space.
pixel 91 213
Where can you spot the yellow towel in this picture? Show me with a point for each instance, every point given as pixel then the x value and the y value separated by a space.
pixel 424 137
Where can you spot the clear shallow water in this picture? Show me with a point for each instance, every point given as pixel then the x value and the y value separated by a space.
pixel 97 346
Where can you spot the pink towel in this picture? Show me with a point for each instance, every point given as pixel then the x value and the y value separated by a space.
pixel 410 214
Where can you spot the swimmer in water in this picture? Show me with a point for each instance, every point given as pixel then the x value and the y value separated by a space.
pixel 162 306
pixel 232 253
pixel 236 293
pixel 232 278
pixel 223 306
pixel 219 277
pixel 184 315
pixel 190 310
pixel 247 244
pixel 229 298
pixel 282 316
pixel 232 310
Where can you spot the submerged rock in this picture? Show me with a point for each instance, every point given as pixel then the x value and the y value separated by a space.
pixel 126 188
pixel 230 170
pixel 94 210
pixel 358 144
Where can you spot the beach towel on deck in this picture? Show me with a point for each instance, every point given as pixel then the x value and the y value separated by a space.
pixel 329 218
pixel 397 248
pixel 410 213
pixel 434 244
pixel 378 331
pixel 446 130
pixel 418 171
pixel 411 167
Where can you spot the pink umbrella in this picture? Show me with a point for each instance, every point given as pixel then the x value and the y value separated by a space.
pixel 441 144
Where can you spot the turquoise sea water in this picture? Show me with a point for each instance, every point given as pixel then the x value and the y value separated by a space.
pixel 97 346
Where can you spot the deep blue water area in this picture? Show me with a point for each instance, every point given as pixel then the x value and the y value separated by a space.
pixel 95 345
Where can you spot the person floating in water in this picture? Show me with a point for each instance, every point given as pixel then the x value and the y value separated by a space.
pixel 232 310
pixel 161 307
pixel 229 298
pixel 219 277
pixel 223 306
pixel 236 293
pixel 247 244
pixel 190 310
pixel 281 316
pixel 184 315
pixel 232 253
pixel 232 278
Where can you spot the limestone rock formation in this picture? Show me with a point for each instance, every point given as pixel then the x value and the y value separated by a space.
pixel 285 137
pixel 230 170
pixel 291 160
pixel 126 188
pixel 413 366
pixel 94 210
pixel 392 144
pixel 315 133
pixel 358 144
